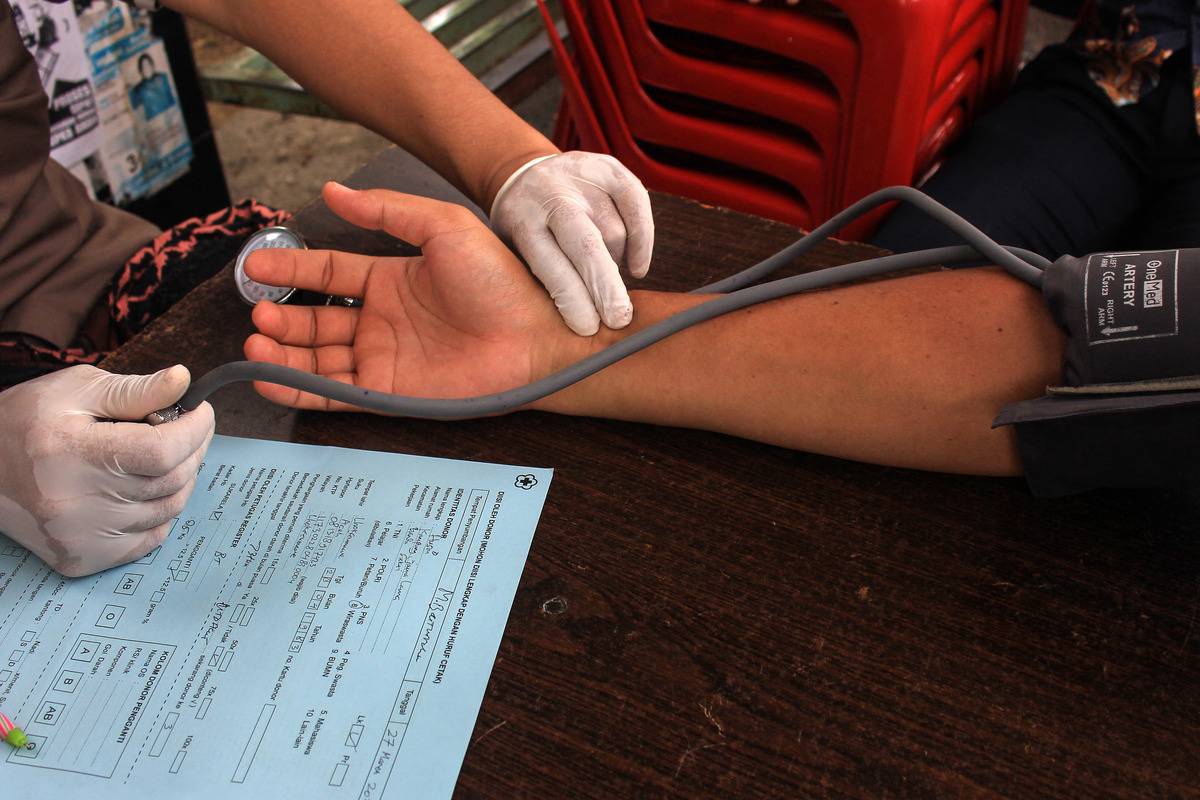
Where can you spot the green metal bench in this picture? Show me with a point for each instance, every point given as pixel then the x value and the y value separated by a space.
pixel 499 41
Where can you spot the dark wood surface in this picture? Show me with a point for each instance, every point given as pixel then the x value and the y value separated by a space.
pixel 702 616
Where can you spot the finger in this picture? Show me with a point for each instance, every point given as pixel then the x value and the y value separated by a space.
pixel 110 550
pixel 556 272
pixel 258 347
pixel 413 219
pixel 325 360
pixel 612 229
pixel 152 513
pixel 295 398
pixel 131 397
pixel 134 448
pixel 144 542
pixel 118 516
pixel 261 348
pixel 138 488
pixel 583 245
pixel 324 271
pixel 633 204
pixel 311 326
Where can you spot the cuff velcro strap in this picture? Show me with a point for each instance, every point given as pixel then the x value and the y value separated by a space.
pixel 1152 386
pixel 1061 406
pixel 1075 442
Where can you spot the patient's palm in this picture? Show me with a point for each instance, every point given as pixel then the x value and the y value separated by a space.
pixel 462 319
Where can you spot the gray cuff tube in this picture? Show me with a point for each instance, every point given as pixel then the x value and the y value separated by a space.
pixel 513 399
pixel 1019 263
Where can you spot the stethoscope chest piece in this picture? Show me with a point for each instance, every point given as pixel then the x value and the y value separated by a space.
pixel 252 291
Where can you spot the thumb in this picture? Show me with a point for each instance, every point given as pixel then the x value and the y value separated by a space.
pixel 410 218
pixel 131 397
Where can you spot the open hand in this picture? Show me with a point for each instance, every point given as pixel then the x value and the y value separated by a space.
pixel 463 318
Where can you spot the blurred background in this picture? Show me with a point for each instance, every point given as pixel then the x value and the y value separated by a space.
pixel 790 112
pixel 283 158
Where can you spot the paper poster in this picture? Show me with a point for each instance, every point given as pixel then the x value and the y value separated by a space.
pixel 146 145
pixel 52 35
pixel 115 116
pixel 105 24
pixel 166 150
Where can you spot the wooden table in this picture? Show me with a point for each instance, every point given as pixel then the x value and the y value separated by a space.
pixel 702 616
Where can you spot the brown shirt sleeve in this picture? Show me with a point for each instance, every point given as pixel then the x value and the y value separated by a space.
pixel 58 248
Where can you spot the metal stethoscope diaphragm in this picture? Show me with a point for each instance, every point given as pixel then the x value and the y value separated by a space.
pixel 254 292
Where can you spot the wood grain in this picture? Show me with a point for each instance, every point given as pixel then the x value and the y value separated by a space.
pixel 702 616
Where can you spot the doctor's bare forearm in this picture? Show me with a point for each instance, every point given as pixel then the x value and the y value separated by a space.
pixel 377 65
pixel 907 372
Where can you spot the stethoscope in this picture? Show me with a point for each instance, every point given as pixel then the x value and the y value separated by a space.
pixel 736 292
pixel 254 292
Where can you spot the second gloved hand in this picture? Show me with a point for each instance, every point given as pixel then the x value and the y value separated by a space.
pixel 576 218
pixel 85 492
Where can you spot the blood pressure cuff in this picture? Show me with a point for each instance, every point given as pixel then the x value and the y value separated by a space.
pixel 1128 412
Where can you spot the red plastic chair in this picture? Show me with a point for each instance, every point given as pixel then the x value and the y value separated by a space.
pixel 789 159
pixel 718 189
pixel 797 102
pixel 936 142
pixel 576 127
pixel 956 100
pixel 1013 14
pixel 564 135
pixel 889 87
pixel 958 95
pixel 976 41
pixel 860 145
pixel 966 12
pixel 826 44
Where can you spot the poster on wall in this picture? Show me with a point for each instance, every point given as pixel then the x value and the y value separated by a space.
pixel 137 142
pixel 166 150
pixel 146 145
pixel 51 33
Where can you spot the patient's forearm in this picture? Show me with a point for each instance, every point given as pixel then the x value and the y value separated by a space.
pixel 908 372
pixel 377 65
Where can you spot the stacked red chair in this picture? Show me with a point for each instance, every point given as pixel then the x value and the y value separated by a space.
pixel 790 112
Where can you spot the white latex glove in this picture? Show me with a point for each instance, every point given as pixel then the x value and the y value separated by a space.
pixel 85 493
pixel 576 218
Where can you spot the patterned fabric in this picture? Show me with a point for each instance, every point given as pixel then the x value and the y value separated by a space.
pixel 150 282
pixel 1124 45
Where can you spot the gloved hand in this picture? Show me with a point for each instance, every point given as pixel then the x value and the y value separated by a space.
pixel 576 218
pixel 85 493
